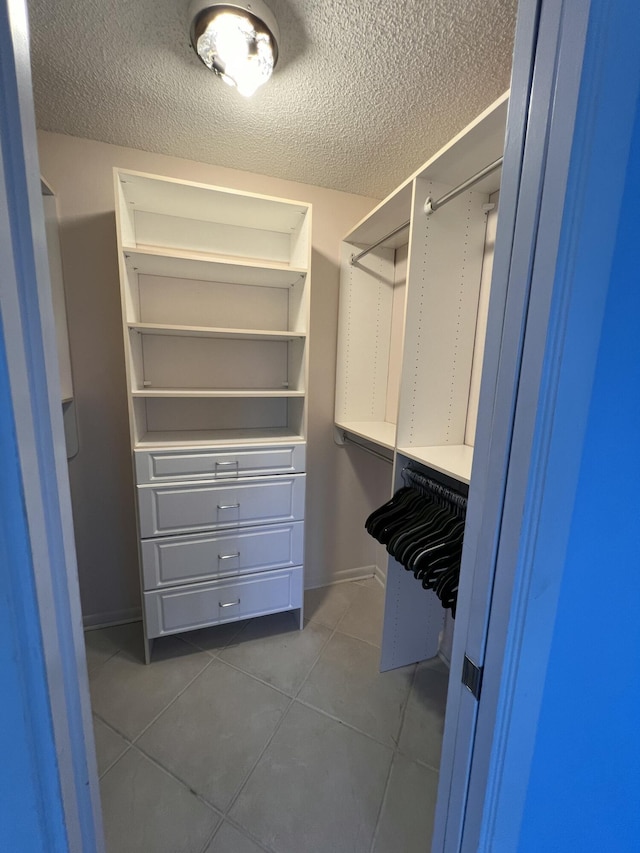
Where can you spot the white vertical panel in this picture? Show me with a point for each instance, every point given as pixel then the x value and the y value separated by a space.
pixel 445 263
pixel 396 333
pixel 481 324
pixel 364 331
pixel 57 295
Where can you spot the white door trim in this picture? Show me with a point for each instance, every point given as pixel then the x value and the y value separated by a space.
pixel 26 315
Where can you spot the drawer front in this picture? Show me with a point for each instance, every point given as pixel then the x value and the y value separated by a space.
pixel 168 611
pixel 172 560
pixel 154 466
pixel 185 507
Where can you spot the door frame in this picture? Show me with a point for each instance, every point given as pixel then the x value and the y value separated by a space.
pixel 54 800
pixel 585 85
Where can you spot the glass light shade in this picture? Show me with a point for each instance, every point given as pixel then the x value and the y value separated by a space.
pixel 238 48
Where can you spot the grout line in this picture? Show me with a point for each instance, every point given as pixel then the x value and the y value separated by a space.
pixel 211 837
pixel 350 726
pixel 243 785
pixel 383 801
pixel 185 638
pixel 181 782
pixel 241 829
pixel 403 714
pixel 281 721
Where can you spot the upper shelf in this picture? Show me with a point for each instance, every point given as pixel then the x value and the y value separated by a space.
pixel 455 460
pixel 381 433
pixel 215 392
pixel 177 263
pixel 210 332
pixel 476 146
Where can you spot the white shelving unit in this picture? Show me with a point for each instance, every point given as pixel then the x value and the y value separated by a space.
pixel 411 337
pixel 215 306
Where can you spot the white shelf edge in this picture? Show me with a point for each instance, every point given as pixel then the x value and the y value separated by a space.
pixel 215 438
pixel 214 332
pixel 381 433
pixel 454 460
pixel 211 258
pixel 215 392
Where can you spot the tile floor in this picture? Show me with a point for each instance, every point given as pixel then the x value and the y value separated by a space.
pixel 259 737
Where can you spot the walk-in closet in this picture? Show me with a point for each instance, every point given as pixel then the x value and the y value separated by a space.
pixel 291 319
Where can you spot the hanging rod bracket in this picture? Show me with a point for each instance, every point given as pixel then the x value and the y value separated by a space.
pixel 428 208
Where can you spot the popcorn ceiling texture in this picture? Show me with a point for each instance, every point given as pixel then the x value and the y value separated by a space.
pixel 363 93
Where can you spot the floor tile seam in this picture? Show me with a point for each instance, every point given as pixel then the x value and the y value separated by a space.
pixel 250 835
pixel 255 678
pixel 315 663
pixel 391 746
pixel 112 727
pixel 180 781
pixel 113 763
pixel 403 753
pixel 170 703
pixel 210 838
pixel 251 771
pixel 353 637
pixel 403 713
pixel 383 800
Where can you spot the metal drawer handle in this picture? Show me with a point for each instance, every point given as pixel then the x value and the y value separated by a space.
pixel 229 603
pixel 228 556
pixel 229 506
pixel 223 464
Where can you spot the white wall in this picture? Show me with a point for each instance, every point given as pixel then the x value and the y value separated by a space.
pixel 344 485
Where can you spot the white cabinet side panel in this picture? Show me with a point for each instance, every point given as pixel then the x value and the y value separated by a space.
pixel 481 325
pixel 364 330
pixel 397 333
pixel 442 301
pixel 57 295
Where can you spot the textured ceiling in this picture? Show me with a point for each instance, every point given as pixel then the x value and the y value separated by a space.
pixel 364 91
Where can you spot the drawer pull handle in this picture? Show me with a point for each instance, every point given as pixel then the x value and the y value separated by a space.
pixel 229 603
pixel 228 506
pixel 228 556
pixel 220 464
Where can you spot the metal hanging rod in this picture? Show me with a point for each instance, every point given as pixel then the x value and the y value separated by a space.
pixel 430 206
pixel 370 450
pixel 356 258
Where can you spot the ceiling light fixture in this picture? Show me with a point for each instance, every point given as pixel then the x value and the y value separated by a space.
pixel 237 40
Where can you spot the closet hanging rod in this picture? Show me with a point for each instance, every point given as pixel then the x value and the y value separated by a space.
pixel 370 450
pixel 430 206
pixel 356 258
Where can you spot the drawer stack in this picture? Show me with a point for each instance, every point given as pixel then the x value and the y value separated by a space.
pixel 221 534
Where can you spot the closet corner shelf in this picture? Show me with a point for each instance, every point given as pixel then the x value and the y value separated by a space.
pixel 216 392
pixel 381 433
pixel 177 263
pixel 215 332
pixel 452 459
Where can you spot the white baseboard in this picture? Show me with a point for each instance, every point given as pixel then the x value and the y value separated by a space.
pixel 361 573
pixel 94 621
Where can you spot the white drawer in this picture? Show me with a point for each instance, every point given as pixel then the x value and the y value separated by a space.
pixel 154 466
pixel 183 608
pixel 185 507
pixel 171 560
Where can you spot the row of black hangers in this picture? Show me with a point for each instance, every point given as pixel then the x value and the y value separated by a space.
pixel 422 527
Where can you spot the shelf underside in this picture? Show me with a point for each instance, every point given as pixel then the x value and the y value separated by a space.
pixel 175 263
pixel 381 433
pixel 212 332
pixel 216 392
pixel 455 460
pixel 216 437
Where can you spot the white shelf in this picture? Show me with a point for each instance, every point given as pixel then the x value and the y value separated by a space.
pixel 455 460
pixel 219 437
pixel 201 266
pixel 209 332
pixel 381 433
pixel 216 392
